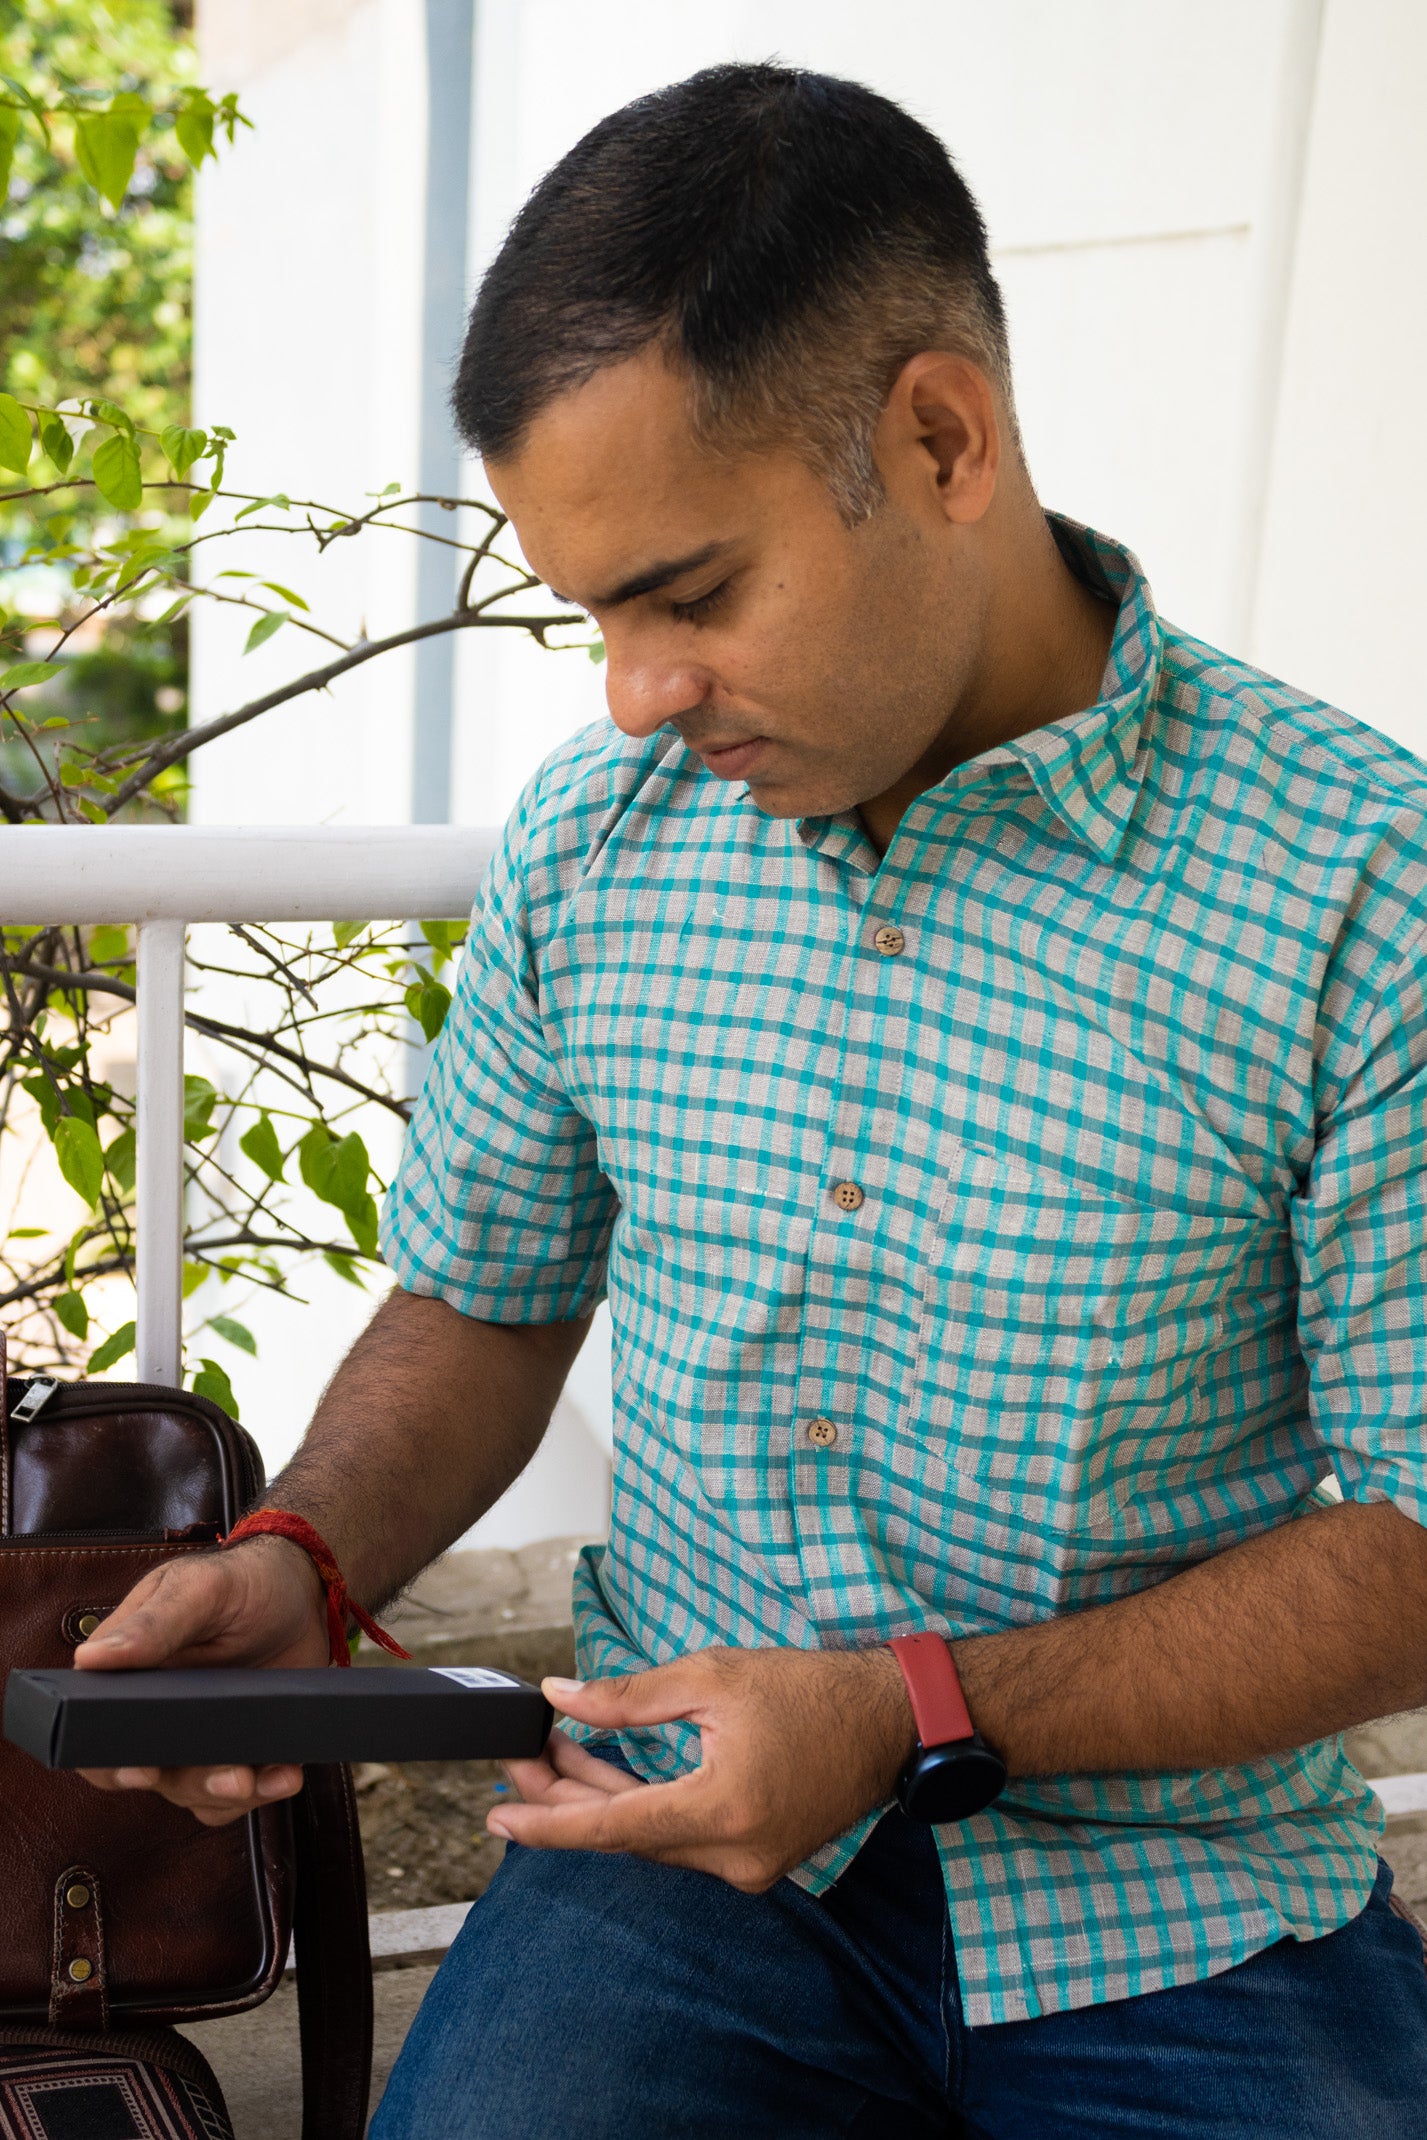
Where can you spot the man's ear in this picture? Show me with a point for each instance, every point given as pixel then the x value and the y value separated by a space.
pixel 938 440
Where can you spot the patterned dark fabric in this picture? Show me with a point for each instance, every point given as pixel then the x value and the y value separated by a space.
pixel 54 2092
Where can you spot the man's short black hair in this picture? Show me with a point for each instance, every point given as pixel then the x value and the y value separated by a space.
pixel 789 238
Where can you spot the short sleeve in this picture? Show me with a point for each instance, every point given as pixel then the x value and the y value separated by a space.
pixel 1360 1237
pixel 499 1206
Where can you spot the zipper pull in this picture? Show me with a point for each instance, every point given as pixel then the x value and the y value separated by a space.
pixel 36 1397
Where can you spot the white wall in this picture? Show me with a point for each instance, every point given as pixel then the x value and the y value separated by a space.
pixel 1207 216
pixel 306 335
pixel 1344 564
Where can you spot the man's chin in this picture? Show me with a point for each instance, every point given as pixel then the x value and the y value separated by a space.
pixel 786 799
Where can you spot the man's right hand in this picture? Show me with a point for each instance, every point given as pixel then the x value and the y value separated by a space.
pixel 258 1603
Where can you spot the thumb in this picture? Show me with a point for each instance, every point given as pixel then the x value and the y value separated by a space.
pixel 164 1613
pixel 660 1696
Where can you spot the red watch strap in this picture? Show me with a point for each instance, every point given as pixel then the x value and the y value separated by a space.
pixel 938 1703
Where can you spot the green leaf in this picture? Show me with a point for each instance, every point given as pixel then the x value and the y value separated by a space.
pixel 113 1348
pixel 9 133
pixel 256 505
pixel 312 1155
pixel 183 446
pixel 343 932
pixel 441 936
pixel 199 504
pixel 106 143
pixel 80 1160
pixel 117 474
pixel 335 1170
pixel 194 1275
pixel 236 1333
pixel 93 812
pixel 26 1233
pixel 428 1003
pixel 193 124
pixel 346 1173
pixel 70 1309
pixel 55 438
pixel 199 1101
pixel 29 672
pixel 108 943
pixel 212 1383
pixel 119 1157
pixel 276 587
pixel 270 621
pixel 596 652
pixel 361 1216
pixel 109 412
pixel 261 1145
pixel 342 1265
pixel 43 1094
pixel 16 440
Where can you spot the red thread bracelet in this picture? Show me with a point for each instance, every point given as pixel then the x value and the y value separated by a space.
pixel 281 1523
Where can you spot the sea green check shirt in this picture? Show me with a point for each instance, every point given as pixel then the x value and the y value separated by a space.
pixel 1124 1043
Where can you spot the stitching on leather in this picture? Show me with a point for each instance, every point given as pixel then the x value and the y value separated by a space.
pixel 66 1996
pixel 10 1551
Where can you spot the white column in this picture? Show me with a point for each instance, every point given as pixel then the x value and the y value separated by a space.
pixel 160 1151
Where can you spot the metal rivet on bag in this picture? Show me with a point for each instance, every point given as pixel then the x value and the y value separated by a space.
pixel 87 1623
pixel 81 1971
pixel 77 1897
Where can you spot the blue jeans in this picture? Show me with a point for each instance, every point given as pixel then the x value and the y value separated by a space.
pixel 605 1998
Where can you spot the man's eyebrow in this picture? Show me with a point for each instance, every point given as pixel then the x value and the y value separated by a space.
pixel 652 579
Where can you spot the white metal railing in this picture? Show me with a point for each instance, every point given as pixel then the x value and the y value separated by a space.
pixel 162 877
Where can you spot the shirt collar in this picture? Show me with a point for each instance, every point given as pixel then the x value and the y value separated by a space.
pixel 1086 768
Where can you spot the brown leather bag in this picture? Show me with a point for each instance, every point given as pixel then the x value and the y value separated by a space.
pixel 120 1910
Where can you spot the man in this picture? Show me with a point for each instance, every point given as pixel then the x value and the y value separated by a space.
pixel 976 1036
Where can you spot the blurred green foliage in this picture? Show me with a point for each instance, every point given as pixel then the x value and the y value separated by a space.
pixel 95 301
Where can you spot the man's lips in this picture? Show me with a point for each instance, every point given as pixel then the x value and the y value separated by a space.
pixel 731 761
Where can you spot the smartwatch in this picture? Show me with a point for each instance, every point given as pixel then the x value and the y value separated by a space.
pixel 953 1772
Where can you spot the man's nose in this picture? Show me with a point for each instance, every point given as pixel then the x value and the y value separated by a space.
pixel 643 693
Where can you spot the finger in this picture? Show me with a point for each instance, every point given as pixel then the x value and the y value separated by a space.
pixel 214 1793
pixel 661 1696
pixel 121 1779
pixel 657 1817
pixel 565 1760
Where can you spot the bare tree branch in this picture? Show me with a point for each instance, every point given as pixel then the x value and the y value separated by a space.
pixel 175 748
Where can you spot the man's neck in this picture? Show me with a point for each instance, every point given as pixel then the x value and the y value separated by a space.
pixel 1046 645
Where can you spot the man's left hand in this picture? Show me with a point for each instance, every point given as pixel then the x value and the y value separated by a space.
pixel 797 1745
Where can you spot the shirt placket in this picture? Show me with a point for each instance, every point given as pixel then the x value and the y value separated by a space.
pixel 848 1384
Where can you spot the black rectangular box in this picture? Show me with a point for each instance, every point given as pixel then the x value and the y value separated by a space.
pixel 78 1719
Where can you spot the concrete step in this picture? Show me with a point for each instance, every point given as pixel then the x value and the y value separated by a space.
pixel 490 1606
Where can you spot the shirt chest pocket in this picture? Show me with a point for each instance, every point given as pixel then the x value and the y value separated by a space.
pixel 1070 1340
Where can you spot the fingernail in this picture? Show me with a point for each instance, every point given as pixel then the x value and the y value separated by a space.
pixel 274 1786
pixel 497 1827
pixel 131 1779
pixel 224 1784
pixel 561 1688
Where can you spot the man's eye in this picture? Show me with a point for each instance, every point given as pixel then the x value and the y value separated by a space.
pixel 703 606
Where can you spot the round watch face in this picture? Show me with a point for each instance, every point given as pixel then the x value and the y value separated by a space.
pixel 943 1783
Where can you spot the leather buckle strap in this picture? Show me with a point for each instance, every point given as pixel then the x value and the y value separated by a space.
pixel 79 1979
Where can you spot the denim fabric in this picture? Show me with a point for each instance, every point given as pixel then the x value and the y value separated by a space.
pixel 607 1998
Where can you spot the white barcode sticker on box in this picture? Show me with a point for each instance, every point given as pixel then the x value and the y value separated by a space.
pixel 474 1675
